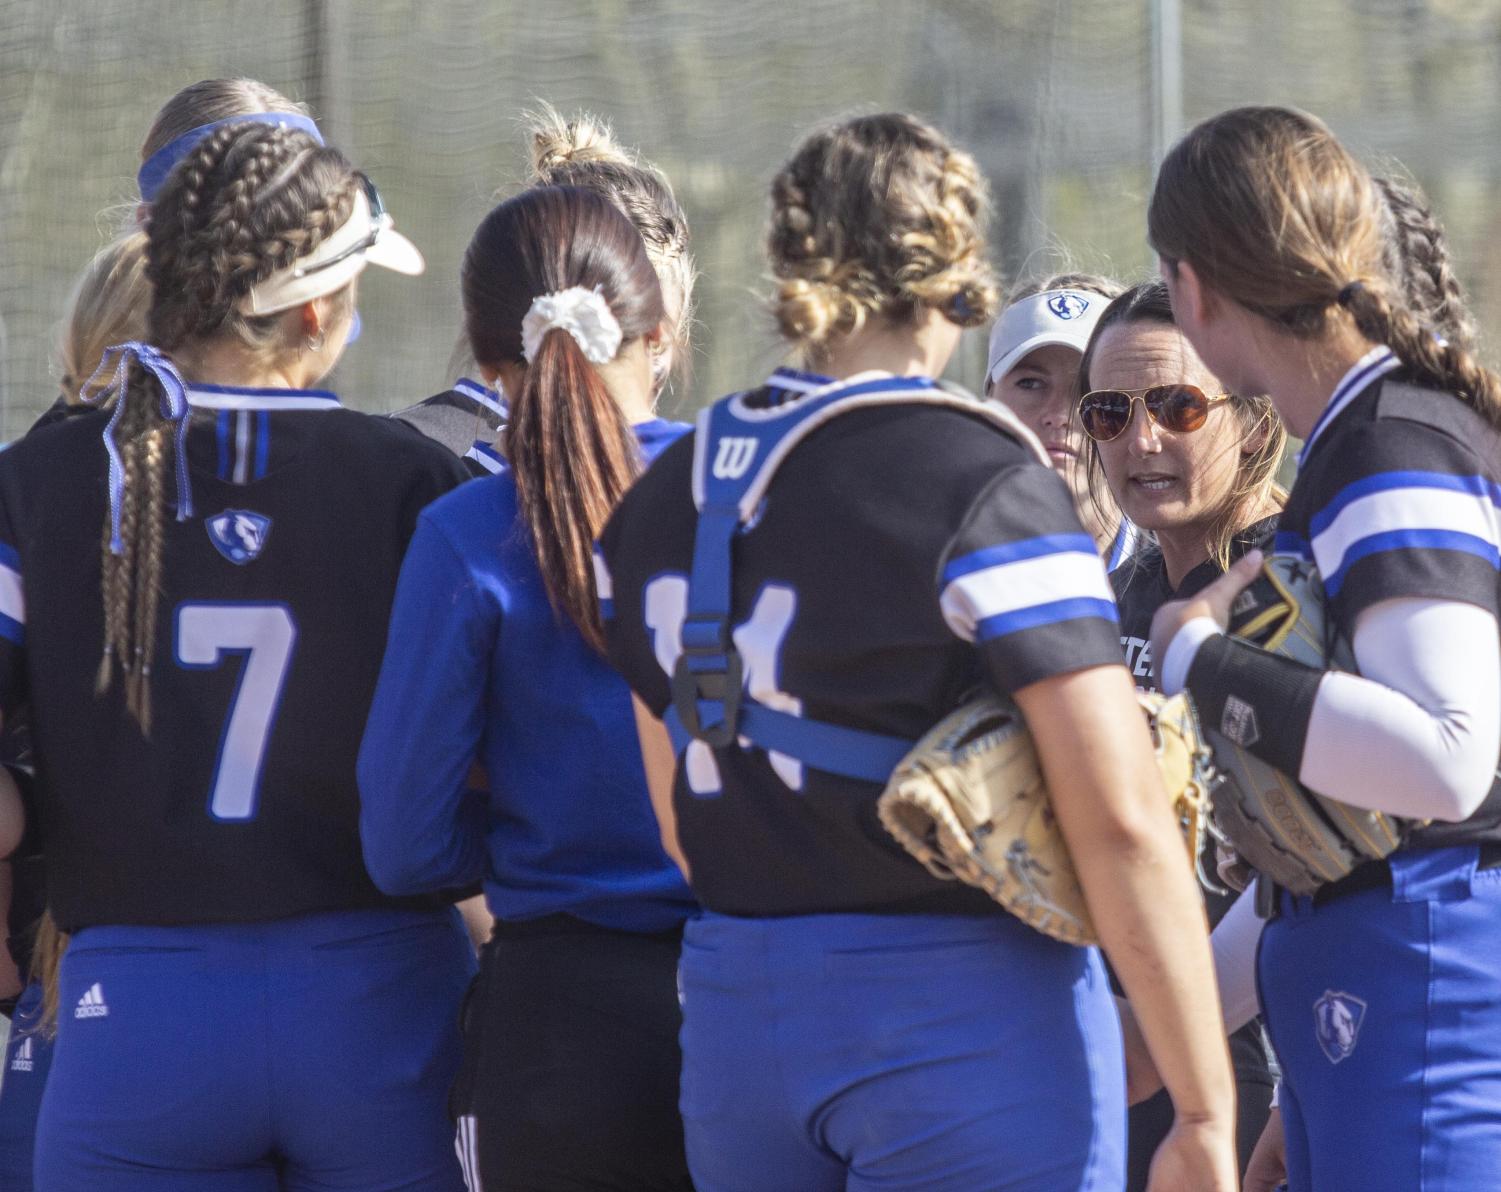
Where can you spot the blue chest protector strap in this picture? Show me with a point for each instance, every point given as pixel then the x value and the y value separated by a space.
pixel 737 450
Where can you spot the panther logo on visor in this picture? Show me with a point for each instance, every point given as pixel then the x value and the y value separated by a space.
pixel 1067 305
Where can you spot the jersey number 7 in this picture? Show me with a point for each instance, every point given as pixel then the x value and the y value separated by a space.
pixel 264 634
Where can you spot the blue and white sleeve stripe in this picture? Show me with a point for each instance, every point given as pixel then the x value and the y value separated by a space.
pixel 1025 585
pixel 604 586
pixel 1406 510
pixel 486 456
pixel 12 600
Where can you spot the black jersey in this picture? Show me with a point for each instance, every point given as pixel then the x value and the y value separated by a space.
pixel 1142 587
pixel 1399 495
pixel 903 554
pixel 242 804
pixel 458 418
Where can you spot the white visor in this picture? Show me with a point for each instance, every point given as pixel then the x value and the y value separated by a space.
pixel 1051 317
pixel 303 280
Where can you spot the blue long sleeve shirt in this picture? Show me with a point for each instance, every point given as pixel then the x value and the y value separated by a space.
pixel 479 667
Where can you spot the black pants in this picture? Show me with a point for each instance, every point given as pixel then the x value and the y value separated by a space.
pixel 1150 1121
pixel 571 1061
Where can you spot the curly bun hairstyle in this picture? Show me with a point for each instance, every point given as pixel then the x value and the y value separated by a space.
pixel 248 201
pixel 582 151
pixel 1274 213
pixel 878 217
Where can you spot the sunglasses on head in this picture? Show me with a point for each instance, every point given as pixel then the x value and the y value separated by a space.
pixel 377 226
pixel 1106 413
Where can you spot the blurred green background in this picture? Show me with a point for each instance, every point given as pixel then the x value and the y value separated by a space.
pixel 1066 105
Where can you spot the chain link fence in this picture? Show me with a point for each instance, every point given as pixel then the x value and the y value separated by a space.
pixel 1063 103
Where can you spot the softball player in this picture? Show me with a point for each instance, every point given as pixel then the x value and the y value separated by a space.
pixel 1380 990
pixel 581 151
pixel 107 306
pixel 1196 467
pixel 571 1056
pixel 195 726
pixel 1035 348
pixel 851 1022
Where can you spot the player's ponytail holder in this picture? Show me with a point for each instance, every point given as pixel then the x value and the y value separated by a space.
pixel 174 408
pixel 581 312
pixel 1347 294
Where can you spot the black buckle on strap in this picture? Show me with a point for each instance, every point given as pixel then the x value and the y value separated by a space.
pixel 709 671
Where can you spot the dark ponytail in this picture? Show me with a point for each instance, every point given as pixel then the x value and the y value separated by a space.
pixel 571 452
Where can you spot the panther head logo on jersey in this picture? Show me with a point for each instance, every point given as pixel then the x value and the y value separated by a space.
pixel 1336 1023
pixel 1068 305
pixel 238 534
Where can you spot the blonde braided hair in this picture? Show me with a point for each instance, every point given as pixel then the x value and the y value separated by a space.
pixel 878 217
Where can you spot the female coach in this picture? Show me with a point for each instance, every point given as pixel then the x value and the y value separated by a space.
pixel 571 1055
pixel 196 721
pixel 850 1021
pixel 1381 990
pixel 1197 468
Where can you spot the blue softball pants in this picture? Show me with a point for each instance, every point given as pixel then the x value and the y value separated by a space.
pixel 853 1052
pixel 292 1055
pixel 1384 1007
pixel 28 1055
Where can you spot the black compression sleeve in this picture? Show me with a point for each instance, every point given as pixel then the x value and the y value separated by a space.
pixel 1260 701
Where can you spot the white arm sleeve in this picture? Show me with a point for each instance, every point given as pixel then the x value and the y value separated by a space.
pixel 1418 732
pixel 1234 943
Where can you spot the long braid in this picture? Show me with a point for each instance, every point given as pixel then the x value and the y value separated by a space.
pixel 1382 317
pixel 156 447
pixel 118 569
pixel 1420 259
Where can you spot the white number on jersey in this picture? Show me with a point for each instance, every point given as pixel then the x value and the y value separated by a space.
pixel 759 641
pixel 265 635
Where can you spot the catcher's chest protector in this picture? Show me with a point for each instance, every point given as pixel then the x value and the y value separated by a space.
pixel 737 450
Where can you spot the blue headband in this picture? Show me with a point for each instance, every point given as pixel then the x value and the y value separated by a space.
pixel 156 167
pixel 174 407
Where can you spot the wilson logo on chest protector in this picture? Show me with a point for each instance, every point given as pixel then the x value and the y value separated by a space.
pixel 734 457
pixel 238 534
pixel 1336 1023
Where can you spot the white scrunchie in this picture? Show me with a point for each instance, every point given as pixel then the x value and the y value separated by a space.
pixel 584 314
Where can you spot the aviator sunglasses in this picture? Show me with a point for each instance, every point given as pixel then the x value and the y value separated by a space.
pixel 1106 413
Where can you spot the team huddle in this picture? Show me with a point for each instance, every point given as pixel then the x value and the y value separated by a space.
pixel 490 796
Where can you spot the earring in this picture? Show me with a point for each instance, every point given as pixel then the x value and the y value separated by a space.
pixel 315 342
